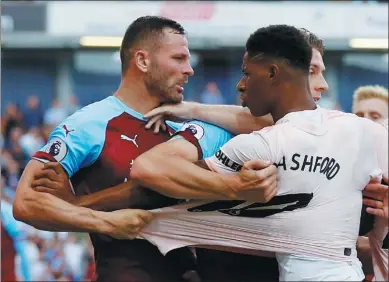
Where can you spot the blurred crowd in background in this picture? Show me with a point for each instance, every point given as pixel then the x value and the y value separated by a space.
pixel 40 88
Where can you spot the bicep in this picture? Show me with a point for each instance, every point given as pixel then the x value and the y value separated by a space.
pixel 176 147
pixel 24 186
pixel 240 149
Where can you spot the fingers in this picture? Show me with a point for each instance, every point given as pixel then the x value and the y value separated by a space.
pixel 271 191
pixel 377 212
pixel 374 195
pixel 57 167
pixel 152 121
pixel 162 110
pixel 377 188
pixel 158 126
pixel 270 171
pixel 43 189
pixel 256 164
pixel 385 179
pixel 373 203
pixel 44 182
pixel 46 173
pixel 146 216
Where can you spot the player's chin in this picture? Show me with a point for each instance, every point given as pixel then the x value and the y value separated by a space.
pixel 176 96
pixel 256 112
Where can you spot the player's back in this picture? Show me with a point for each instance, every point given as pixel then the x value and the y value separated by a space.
pixel 331 155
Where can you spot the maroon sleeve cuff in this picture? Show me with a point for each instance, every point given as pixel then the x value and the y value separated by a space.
pixel 44 156
pixel 188 135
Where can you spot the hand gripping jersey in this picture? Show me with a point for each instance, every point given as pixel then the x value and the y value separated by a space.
pixel 324 159
pixel 379 243
pixel 97 146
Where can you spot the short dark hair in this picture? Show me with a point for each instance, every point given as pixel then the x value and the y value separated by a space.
pixel 145 30
pixel 313 40
pixel 281 41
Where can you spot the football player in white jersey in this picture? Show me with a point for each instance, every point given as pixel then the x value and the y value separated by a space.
pixel 239 121
pixel 306 145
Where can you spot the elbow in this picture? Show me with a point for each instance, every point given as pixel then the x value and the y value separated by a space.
pixel 24 208
pixel 20 211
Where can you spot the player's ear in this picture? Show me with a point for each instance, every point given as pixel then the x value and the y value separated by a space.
pixel 274 72
pixel 142 60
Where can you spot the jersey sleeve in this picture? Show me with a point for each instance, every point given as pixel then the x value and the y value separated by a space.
pixel 75 143
pixel 207 138
pixel 240 149
pixel 380 140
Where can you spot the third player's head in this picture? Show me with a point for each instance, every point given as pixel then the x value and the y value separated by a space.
pixel 317 82
pixel 155 50
pixel 276 67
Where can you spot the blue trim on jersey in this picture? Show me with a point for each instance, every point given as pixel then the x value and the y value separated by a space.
pixel 127 109
pixel 175 125
pixel 86 140
pixel 211 138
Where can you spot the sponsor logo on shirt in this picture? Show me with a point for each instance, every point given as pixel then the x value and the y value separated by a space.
pixel 225 160
pixel 197 130
pixel 56 148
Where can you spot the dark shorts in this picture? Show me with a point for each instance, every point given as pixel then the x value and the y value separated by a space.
pixel 214 266
pixel 140 261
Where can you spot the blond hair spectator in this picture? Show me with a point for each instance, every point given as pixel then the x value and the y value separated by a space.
pixel 371 101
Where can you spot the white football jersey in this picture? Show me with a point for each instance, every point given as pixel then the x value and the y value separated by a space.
pixel 324 160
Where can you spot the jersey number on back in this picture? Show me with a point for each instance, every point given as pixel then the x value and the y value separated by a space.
pixel 242 208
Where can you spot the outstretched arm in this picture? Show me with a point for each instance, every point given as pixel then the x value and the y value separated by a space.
pixel 53 179
pixel 47 212
pixel 235 119
pixel 170 170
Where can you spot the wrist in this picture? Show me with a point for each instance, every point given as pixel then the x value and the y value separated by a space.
pixel 230 186
pixel 102 222
pixel 196 110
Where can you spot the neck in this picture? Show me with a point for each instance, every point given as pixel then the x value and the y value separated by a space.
pixel 133 93
pixel 297 99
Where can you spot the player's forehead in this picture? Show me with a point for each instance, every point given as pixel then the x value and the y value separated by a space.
pixel 174 43
pixel 245 61
pixel 372 104
pixel 317 60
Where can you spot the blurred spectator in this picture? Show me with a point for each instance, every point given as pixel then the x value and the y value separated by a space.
pixel 371 102
pixel 73 106
pixel 12 243
pixel 211 95
pixel 15 148
pixel 32 141
pixel 12 118
pixel 55 115
pixel 74 253
pixel 33 116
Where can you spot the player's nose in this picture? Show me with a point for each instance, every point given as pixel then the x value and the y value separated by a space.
pixel 241 87
pixel 188 70
pixel 322 85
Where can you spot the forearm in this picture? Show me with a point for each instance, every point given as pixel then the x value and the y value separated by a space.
pixel 114 198
pixel 47 212
pixel 235 119
pixel 179 178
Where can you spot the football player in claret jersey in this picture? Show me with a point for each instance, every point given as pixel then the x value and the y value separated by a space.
pixel 307 145
pixel 97 146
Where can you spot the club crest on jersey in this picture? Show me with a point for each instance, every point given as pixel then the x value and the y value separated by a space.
pixel 197 130
pixel 57 148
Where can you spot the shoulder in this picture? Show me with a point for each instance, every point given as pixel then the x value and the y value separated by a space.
pixel 91 118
